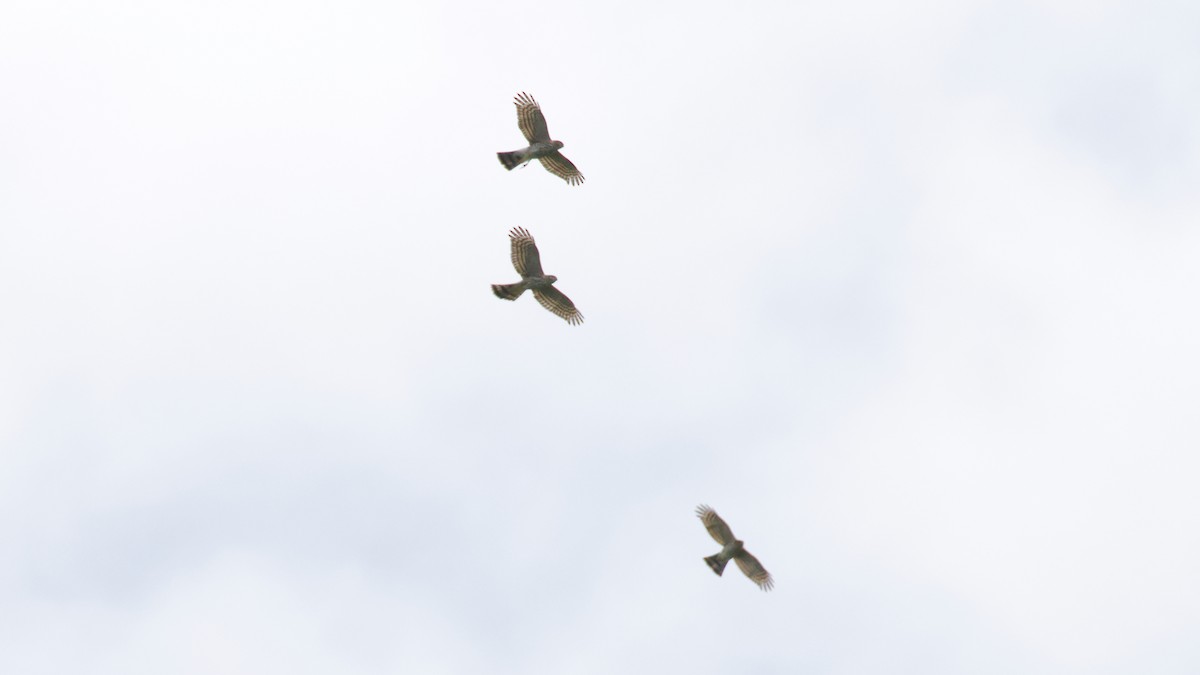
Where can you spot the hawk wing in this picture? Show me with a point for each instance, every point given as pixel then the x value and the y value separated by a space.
pixel 750 566
pixel 525 256
pixel 530 119
pixel 553 299
pixel 562 167
pixel 715 526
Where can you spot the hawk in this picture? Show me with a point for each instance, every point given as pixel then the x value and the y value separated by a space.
pixel 732 549
pixel 533 125
pixel 529 265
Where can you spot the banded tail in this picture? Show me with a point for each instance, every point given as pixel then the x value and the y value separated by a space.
pixel 510 160
pixel 508 291
pixel 714 561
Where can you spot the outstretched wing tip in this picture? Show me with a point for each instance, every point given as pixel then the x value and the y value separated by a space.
pixel 558 304
pixel 562 167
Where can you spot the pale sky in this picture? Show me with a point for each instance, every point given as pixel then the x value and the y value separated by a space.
pixel 906 292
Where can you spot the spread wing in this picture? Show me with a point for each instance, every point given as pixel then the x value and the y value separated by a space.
pixel 525 256
pixel 553 299
pixel 530 119
pixel 562 167
pixel 715 526
pixel 750 566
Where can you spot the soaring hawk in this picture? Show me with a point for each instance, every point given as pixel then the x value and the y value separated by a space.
pixel 533 125
pixel 732 549
pixel 528 263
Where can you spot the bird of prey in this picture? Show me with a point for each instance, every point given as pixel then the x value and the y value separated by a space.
pixel 533 125
pixel 731 550
pixel 528 263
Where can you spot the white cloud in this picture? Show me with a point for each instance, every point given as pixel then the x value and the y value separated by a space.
pixel 903 293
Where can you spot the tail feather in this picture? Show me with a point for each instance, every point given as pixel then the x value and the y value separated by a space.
pixel 508 291
pixel 717 565
pixel 510 160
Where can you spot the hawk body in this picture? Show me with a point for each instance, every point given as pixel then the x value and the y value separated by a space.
pixel 528 263
pixel 514 291
pixel 717 562
pixel 533 126
pixel 731 549
pixel 511 160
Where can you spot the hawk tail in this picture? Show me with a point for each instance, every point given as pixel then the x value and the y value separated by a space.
pixel 508 291
pixel 715 562
pixel 510 160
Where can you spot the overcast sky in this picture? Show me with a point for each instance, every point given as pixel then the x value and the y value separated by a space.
pixel 906 291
